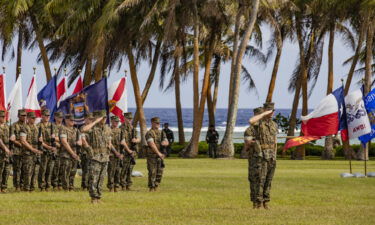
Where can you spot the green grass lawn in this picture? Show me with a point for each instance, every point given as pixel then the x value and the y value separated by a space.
pixel 206 191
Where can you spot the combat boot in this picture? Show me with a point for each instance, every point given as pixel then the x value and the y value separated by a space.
pixel 258 205
pixel 128 188
pixel 115 189
pixel 152 189
pixel 156 188
pixel 265 205
pixel 94 200
pixel 254 205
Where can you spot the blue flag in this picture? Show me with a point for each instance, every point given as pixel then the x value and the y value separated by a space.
pixel 97 98
pixel 47 96
pixel 370 108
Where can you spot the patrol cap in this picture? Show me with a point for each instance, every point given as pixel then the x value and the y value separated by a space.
pixel 100 113
pixel 89 116
pixel 2 113
pixel 69 117
pixel 155 120
pixel 46 112
pixel 115 118
pixel 21 112
pixel 258 110
pixel 269 106
pixel 128 115
pixel 59 114
pixel 31 114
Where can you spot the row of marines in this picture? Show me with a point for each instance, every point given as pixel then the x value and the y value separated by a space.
pixel 48 154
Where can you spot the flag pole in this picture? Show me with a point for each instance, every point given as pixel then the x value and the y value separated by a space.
pixel 366 145
pixel 34 68
pixel 4 69
pixel 350 150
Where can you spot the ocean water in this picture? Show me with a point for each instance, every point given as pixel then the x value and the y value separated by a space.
pixel 168 115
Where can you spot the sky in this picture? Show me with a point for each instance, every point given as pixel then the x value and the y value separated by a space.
pixel 261 75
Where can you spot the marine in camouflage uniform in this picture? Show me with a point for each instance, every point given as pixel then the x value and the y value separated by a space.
pixel 68 155
pixel 114 157
pixel 4 153
pixel 48 158
pixel 130 141
pixel 17 149
pixel 84 157
pixel 30 153
pixel 99 140
pixel 155 154
pixel 212 138
pixel 253 149
pixel 55 179
pixel 265 164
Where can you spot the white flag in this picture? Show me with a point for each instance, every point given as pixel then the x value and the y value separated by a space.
pixel 15 100
pixel 32 104
pixel 357 118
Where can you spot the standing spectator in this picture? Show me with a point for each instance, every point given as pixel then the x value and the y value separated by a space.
pixel 170 138
pixel 212 139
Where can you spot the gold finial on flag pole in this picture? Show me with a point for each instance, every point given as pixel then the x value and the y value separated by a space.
pixel 79 71
pixel 126 73
pixel 55 69
pixel 34 68
pixel 105 72
pixel 19 70
pixel 65 71
pixel 4 69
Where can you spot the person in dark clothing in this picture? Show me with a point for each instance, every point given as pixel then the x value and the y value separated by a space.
pixel 170 137
pixel 212 138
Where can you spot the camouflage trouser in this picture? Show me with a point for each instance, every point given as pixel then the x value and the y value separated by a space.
pixel 30 171
pixel 85 173
pixel 72 175
pixel 55 179
pixel 262 175
pixel 97 172
pixel 4 172
pixel 113 172
pixel 17 171
pixel 66 167
pixel 155 171
pixel 126 173
pixel 45 171
pixel 212 147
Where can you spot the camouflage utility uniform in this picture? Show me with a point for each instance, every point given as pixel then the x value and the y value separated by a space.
pixel 55 179
pixel 30 160
pixel 4 158
pixel 68 165
pixel 129 133
pixel 114 161
pixel 48 158
pixel 17 151
pixel 154 163
pixel 99 138
pixel 254 150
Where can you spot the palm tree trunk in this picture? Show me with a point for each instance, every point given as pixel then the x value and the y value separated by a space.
pixel 210 106
pixel 98 72
pixel 328 152
pixel 276 64
pixel 363 155
pixel 300 150
pixel 293 115
pixel 356 57
pixel 43 51
pixel 19 52
pixel 180 122
pixel 226 148
pixel 216 88
pixel 137 96
pixel 191 150
pixel 150 79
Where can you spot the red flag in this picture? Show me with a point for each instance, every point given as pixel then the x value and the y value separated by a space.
pixel 79 85
pixel 299 141
pixel 60 89
pixel 117 98
pixel 2 93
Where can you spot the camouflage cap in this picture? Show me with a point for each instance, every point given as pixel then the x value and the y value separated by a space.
pixel 31 114
pixel 258 110
pixel 68 117
pixel 46 112
pixel 155 120
pixel 89 116
pixel 100 113
pixel 269 106
pixel 2 113
pixel 128 115
pixel 22 112
pixel 115 118
pixel 59 114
